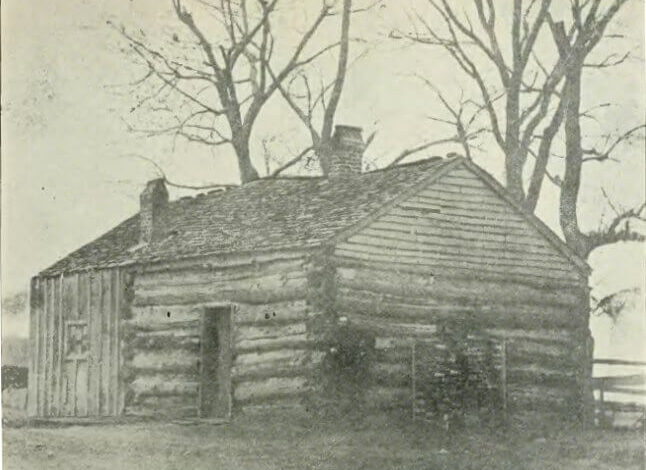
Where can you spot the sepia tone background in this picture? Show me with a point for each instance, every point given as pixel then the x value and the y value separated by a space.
pixel 70 169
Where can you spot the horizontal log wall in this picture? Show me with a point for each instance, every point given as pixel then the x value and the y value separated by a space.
pixel 280 279
pixel 457 252
pixel 273 351
pixel 542 373
pixel 544 368
pixel 542 327
pixel 162 355
pixel 74 332
pixel 410 296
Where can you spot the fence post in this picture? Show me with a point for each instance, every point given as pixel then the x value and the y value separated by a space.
pixel 588 387
pixel 602 410
pixel 413 376
pixel 503 379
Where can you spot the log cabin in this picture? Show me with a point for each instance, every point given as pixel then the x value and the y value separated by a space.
pixel 231 300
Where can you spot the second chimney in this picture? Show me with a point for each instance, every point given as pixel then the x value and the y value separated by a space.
pixel 347 152
pixel 153 200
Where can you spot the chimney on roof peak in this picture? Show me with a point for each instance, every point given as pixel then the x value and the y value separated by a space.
pixel 152 201
pixel 347 152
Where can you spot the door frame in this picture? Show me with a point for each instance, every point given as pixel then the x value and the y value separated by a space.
pixel 226 355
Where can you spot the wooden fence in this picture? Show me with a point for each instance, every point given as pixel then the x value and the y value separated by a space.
pixel 623 385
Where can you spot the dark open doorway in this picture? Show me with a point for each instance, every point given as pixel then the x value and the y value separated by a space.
pixel 215 360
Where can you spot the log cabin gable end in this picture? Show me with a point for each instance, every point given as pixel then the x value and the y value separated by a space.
pixel 461 215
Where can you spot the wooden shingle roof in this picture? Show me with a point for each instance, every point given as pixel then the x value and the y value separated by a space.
pixel 263 215
pixel 279 213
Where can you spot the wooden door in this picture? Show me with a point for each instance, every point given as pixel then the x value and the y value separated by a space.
pixel 215 363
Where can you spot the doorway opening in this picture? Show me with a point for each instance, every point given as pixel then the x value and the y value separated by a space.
pixel 214 400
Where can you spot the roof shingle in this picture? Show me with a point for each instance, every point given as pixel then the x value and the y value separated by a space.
pixel 265 214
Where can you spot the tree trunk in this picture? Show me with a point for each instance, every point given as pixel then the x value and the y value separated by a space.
pixel 324 146
pixel 573 163
pixel 241 146
pixel 324 149
pixel 513 160
pixel 543 156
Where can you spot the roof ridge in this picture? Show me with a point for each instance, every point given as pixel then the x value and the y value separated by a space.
pixel 435 158
pixel 214 193
pixel 292 177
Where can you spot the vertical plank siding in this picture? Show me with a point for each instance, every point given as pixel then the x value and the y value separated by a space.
pixel 49 346
pixel 124 313
pixel 67 311
pixel 114 346
pixel 58 348
pixel 94 333
pixel 35 364
pixel 42 349
pixel 31 378
pixel 62 382
pixel 106 333
pixel 84 388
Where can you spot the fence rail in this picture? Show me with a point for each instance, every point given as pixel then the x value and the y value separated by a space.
pixel 619 384
pixel 619 362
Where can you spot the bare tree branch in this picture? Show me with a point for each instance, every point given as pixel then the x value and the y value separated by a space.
pixel 611 60
pixel 291 162
pixel 322 139
pixel 464 135
pixel 602 155
pixel 533 96
pixel 246 35
pixel 160 172
pixel 589 32
pixel 454 47
pixel 615 232
pixel 422 147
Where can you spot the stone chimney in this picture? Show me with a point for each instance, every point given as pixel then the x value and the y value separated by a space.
pixel 347 152
pixel 153 200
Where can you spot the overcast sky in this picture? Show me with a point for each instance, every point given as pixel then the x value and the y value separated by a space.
pixel 67 170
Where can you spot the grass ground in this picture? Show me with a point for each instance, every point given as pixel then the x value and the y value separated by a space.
pixel 267 442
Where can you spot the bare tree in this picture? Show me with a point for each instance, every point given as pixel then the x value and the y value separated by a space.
pixel 305 98
pixel 587 30
pixel 538 97
pixel 462 117
pixel 213 86
pixel 516 133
